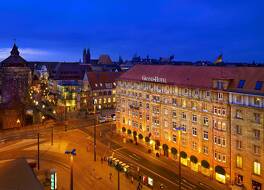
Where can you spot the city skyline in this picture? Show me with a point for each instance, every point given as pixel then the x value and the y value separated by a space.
pixel 189 30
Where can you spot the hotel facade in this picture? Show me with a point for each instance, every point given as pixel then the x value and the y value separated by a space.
pixel 210 116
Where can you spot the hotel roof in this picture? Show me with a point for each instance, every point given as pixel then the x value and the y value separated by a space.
pixel 199 76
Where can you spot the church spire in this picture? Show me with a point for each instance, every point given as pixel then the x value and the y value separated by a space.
pixel 88 56
pixel 14 51
pixel 84 56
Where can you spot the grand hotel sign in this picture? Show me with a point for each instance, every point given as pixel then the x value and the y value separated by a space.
pixel 154 79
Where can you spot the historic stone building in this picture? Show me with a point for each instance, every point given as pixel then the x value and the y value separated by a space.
pixel 15 79
pixel 192 112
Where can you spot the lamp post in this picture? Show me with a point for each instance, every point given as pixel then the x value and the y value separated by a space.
pixel 179 129
pixel 95 122
pixel 38 151
pixel 118 168
pixel 71 153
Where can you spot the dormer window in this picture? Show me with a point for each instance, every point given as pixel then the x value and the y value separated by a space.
pixel 258 85
pixel 241 84
pixel 219 85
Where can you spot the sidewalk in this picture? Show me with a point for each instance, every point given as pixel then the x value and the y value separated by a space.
pixel 88 174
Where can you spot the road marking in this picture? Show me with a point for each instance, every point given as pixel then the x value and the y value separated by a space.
pixel 166 179
pixel 118 149
pixel 132 157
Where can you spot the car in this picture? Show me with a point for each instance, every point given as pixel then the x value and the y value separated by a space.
pixel 102 119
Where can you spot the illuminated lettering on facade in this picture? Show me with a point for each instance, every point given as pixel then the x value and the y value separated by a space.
pixel 154 79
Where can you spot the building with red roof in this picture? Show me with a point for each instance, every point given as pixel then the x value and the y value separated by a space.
pixel 211 117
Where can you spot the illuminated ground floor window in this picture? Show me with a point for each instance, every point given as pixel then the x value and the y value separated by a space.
pixel 194 167
pixel 205 171
pixel 221 178
pixel 184 161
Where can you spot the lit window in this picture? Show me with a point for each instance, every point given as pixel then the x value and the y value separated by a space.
pixel 174 138
pixel 183 103
pixel 257 101
pixel 204 107
pixel 109 100
pixel 95 101
pixel 101 84
pixel 194 131
pixel 174 125
pixel 205 135
pixel 206 121
pixel 114 100
pixel 257 168
pixel 95 84
pixel 174 113
pixel 239 161
pixel 194 118
pixel 205 149
pixel 220 96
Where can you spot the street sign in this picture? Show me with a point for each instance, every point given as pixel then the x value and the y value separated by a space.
pixel 53 179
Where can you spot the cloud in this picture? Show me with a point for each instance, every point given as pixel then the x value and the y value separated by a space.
pixel 24 52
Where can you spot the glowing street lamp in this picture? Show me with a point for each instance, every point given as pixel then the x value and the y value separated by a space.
pixel 71 153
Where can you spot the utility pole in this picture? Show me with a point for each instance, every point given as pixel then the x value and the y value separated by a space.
pixel 38 150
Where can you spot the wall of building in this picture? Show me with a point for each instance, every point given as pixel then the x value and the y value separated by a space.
pixel 205 116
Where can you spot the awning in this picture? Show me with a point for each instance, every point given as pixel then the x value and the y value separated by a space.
pixel 205 164
pixel 193 159
pixel 183 154
pixel 220 170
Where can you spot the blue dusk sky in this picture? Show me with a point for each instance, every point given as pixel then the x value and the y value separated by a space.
pixel 58 30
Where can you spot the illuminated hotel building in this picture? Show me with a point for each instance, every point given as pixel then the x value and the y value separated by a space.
pixel 216 112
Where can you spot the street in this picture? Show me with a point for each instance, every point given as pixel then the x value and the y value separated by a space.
pixel 23 143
